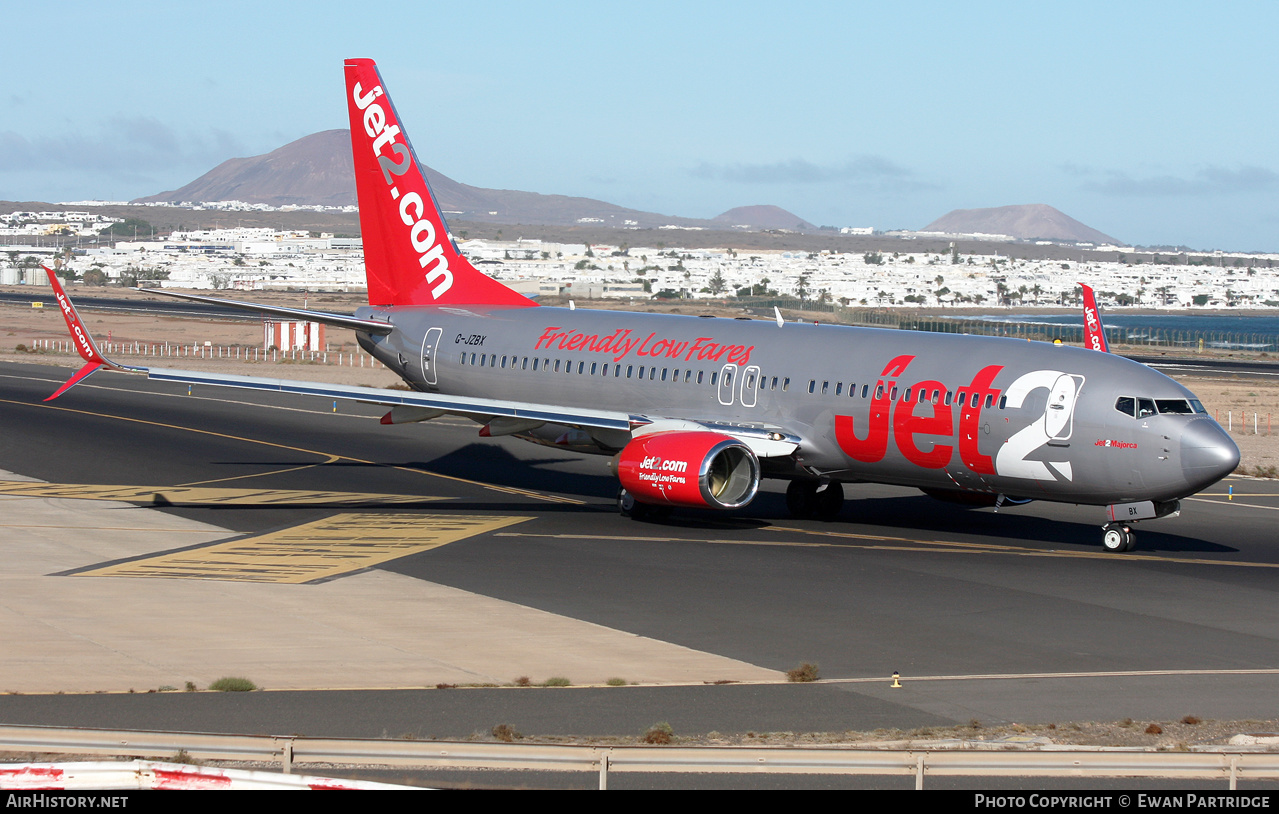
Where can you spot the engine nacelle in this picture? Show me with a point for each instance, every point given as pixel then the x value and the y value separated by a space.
pixel 689 468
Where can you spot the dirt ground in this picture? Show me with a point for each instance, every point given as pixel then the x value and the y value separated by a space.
pixel 1249 406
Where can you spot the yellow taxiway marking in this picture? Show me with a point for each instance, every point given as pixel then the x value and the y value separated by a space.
pixel 331 460
pixel 506 489
pixel 312 552
pixel 188 495
pixel 953 547
pixel 879 542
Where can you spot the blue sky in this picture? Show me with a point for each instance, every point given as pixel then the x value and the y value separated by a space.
pixel 1152 122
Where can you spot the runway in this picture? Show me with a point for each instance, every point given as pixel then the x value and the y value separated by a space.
pixel 1015 615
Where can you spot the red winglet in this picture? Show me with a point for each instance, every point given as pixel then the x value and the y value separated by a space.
pixel 81 374
pixel 1094 334
pixel 408 255
pixel 83 341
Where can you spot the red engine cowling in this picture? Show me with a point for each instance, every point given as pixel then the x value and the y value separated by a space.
pixel 689 468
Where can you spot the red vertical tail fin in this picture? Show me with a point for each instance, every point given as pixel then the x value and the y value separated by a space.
pixel 408 254
pixel 1094 333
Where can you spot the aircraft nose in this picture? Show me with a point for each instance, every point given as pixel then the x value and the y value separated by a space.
pixel 1207 453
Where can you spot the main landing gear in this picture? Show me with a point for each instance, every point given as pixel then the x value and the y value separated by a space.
pixel 632 508
pixel 1118 538
pixel 809 498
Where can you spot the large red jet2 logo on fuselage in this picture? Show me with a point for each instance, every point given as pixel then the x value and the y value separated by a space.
pixel 901 419
pixel 886 411
pixel 422 234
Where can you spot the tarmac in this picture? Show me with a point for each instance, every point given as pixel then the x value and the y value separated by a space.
pixel 63 630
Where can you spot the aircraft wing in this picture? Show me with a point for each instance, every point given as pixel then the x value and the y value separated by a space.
pixel 340 320
pixel 499 416
pixel 482 410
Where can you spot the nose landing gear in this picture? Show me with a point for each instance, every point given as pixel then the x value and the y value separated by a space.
pixel 1118 538
pixel 1117 535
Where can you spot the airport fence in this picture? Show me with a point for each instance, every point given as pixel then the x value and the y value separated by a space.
pixel 233 353
pixel 1074 334
pixel 968 759
pixel 913 320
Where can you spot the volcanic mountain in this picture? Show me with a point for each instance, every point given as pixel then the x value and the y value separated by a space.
pixel 1027 222
pixel 764 217
pixel 317 169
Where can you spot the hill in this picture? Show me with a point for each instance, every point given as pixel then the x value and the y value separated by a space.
pixel 763 217
pixel 317 169
pixel 1026 222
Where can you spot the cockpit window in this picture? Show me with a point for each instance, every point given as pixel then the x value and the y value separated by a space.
pixel 1143 408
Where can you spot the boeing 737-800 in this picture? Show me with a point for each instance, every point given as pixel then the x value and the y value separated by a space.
pixel 695 411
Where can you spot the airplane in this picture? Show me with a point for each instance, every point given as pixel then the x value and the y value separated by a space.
pixel 695 412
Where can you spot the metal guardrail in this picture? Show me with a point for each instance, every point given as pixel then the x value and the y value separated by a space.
pixel 1226 765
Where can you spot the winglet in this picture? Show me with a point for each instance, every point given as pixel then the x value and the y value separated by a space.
pixel 1094 333
pixel 94 360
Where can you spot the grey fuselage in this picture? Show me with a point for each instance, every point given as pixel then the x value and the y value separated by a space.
pixel 874 405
